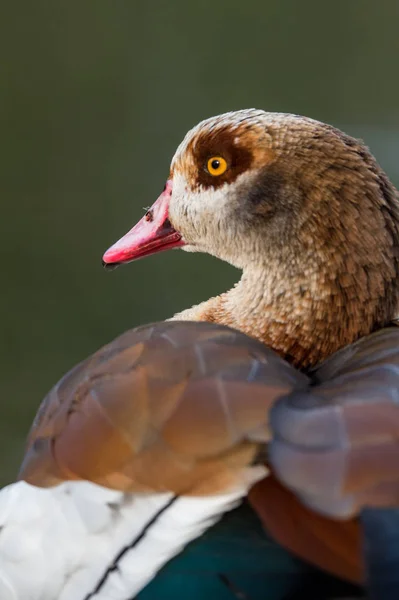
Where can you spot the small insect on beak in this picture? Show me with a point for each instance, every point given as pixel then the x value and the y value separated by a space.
pixel 153 233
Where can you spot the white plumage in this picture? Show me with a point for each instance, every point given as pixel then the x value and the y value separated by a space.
pixel 79 541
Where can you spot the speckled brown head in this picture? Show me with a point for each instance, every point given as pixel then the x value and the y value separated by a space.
pixel 303 209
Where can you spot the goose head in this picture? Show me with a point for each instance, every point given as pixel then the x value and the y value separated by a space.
pixel 225 194
pixel 302 209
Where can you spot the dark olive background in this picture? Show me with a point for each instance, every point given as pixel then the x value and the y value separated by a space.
pixel 94 98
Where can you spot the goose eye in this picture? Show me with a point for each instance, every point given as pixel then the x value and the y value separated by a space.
pixel 216 165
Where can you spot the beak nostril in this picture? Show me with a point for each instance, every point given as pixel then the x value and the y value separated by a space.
pixel 149 216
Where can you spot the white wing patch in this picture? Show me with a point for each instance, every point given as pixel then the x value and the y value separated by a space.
pixel 79 541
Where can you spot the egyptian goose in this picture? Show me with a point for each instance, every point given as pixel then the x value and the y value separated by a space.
pixel 311 219
pixel 288 200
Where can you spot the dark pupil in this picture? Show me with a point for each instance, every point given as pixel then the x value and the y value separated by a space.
pixel 215 164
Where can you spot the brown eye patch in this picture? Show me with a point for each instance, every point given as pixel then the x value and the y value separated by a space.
pixel 222 142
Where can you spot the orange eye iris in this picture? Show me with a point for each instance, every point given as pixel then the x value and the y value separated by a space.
pixel 216 165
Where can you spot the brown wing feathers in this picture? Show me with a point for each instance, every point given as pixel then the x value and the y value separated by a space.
pixel 173 406
pixel 183 407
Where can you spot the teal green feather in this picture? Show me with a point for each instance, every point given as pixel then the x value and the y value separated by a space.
pixel 236 560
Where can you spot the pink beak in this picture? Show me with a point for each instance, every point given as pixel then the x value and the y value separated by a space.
pixel 153 233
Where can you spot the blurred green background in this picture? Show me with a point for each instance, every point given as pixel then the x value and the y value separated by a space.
pixel 94 98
